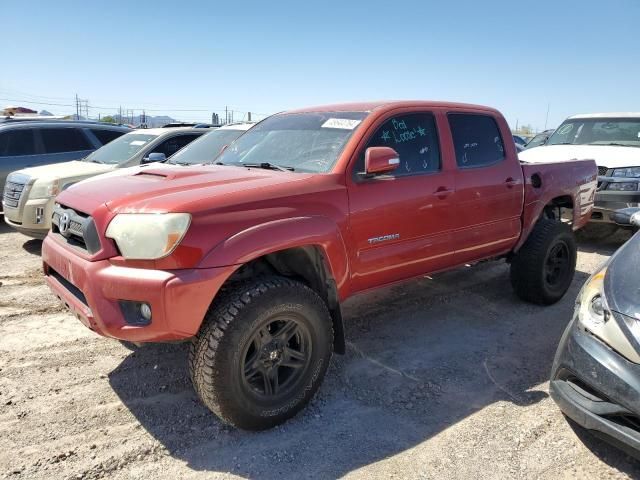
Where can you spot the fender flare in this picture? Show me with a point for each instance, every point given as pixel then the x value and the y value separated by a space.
pixel 259 240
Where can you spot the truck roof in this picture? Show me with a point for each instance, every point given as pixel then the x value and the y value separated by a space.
pixel 607 115
pixel 388 104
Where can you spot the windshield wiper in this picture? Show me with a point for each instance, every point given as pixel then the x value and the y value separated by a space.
pixel 268 166
pixel 616 144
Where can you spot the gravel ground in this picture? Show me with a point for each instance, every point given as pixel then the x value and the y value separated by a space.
pixel 444 378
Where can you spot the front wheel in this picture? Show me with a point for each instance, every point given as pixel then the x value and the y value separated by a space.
pixel 543 269
pixel 262 352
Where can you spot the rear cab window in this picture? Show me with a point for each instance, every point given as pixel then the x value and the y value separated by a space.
pixel 17 142
pixel 60 140
pixel 476 139
pixel 415 137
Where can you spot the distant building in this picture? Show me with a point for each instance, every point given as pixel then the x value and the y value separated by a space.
pixel 11 111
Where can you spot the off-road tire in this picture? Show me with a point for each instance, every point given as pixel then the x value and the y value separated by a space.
pixel 595 232
pixel 217 353
pixel 529 274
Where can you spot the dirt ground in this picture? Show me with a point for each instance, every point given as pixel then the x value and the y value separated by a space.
pixel 444 378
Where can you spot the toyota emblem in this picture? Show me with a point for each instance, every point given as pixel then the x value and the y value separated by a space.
pixel 64 224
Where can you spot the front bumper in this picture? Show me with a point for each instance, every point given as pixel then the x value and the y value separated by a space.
pixel 93 291
pixel 597 388
pixel 608 201
pixel 32 219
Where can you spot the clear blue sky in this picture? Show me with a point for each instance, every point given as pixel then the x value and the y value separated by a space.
pixel 577 56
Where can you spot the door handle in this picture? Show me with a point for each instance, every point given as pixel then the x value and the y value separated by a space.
pixel 511 182
pixel 443 192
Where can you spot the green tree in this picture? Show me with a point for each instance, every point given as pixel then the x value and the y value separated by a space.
pixel 108 119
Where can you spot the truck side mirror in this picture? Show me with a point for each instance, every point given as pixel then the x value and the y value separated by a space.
pixel 378 160
pixel 627 216
pixel 155 157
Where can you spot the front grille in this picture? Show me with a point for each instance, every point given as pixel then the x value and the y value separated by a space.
pixel 12 193
pixel 75 291
pixel 602 171
pixel 76 228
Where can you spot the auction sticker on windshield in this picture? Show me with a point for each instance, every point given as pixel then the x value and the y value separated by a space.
pixel 343 123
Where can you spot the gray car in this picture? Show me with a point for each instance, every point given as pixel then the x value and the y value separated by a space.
pixel 35 143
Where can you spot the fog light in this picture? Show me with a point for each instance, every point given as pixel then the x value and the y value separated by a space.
pixel 145 311
pixel 39 214
pixel 135 313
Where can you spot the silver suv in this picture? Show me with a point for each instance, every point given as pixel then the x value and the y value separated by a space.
pixel 35 143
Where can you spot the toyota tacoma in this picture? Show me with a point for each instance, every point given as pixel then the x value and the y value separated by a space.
pixel 251 258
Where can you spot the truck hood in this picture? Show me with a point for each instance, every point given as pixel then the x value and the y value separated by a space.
pixel 609 156
pixel 178 188
pixel 65 170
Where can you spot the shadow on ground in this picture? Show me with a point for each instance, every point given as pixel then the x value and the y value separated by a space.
pixel 421 357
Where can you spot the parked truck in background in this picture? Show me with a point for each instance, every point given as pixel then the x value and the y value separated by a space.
pixel 613 141
pixel 252 258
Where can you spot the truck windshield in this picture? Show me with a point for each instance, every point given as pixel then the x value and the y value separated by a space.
pixel 303 142
pixel 206 148
pixel 121 149
pixel 598 131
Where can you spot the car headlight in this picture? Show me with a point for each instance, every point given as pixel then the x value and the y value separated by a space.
pixel 594 315
pixel 623 186
pixel 148 236
pixel 45 188
pixel 632 172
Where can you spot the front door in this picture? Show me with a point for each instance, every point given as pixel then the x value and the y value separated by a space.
pixel 400 222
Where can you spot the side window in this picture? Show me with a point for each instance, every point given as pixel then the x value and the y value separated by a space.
pixel 476 139
pixel 17 142
pixel 415 138
pixel 105 136
pixel 173 144
pixel 59 140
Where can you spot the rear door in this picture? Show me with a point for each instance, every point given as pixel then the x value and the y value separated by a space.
pixel 400 223
pixel 61 144
pixel 489 186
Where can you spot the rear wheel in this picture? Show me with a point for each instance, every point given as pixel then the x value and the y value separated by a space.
pixel 543 269
pixel 262 352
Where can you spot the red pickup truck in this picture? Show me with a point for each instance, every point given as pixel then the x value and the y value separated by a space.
pixel 252 257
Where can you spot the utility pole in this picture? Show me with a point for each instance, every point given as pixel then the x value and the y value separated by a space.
pixel 547 118
pixel 226 115
pixel 249 116
pixel 77 108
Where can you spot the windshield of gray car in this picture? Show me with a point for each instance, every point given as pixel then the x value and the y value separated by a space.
pixel 206 148
pixel 121 149
pixel 302 142
pixel 598 131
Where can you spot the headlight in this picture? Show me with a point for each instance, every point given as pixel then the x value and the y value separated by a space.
pixel 45 188
pixel 623 186
pixel 594 311
pixel 594 315
pixel 633 172
pixel 147 236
